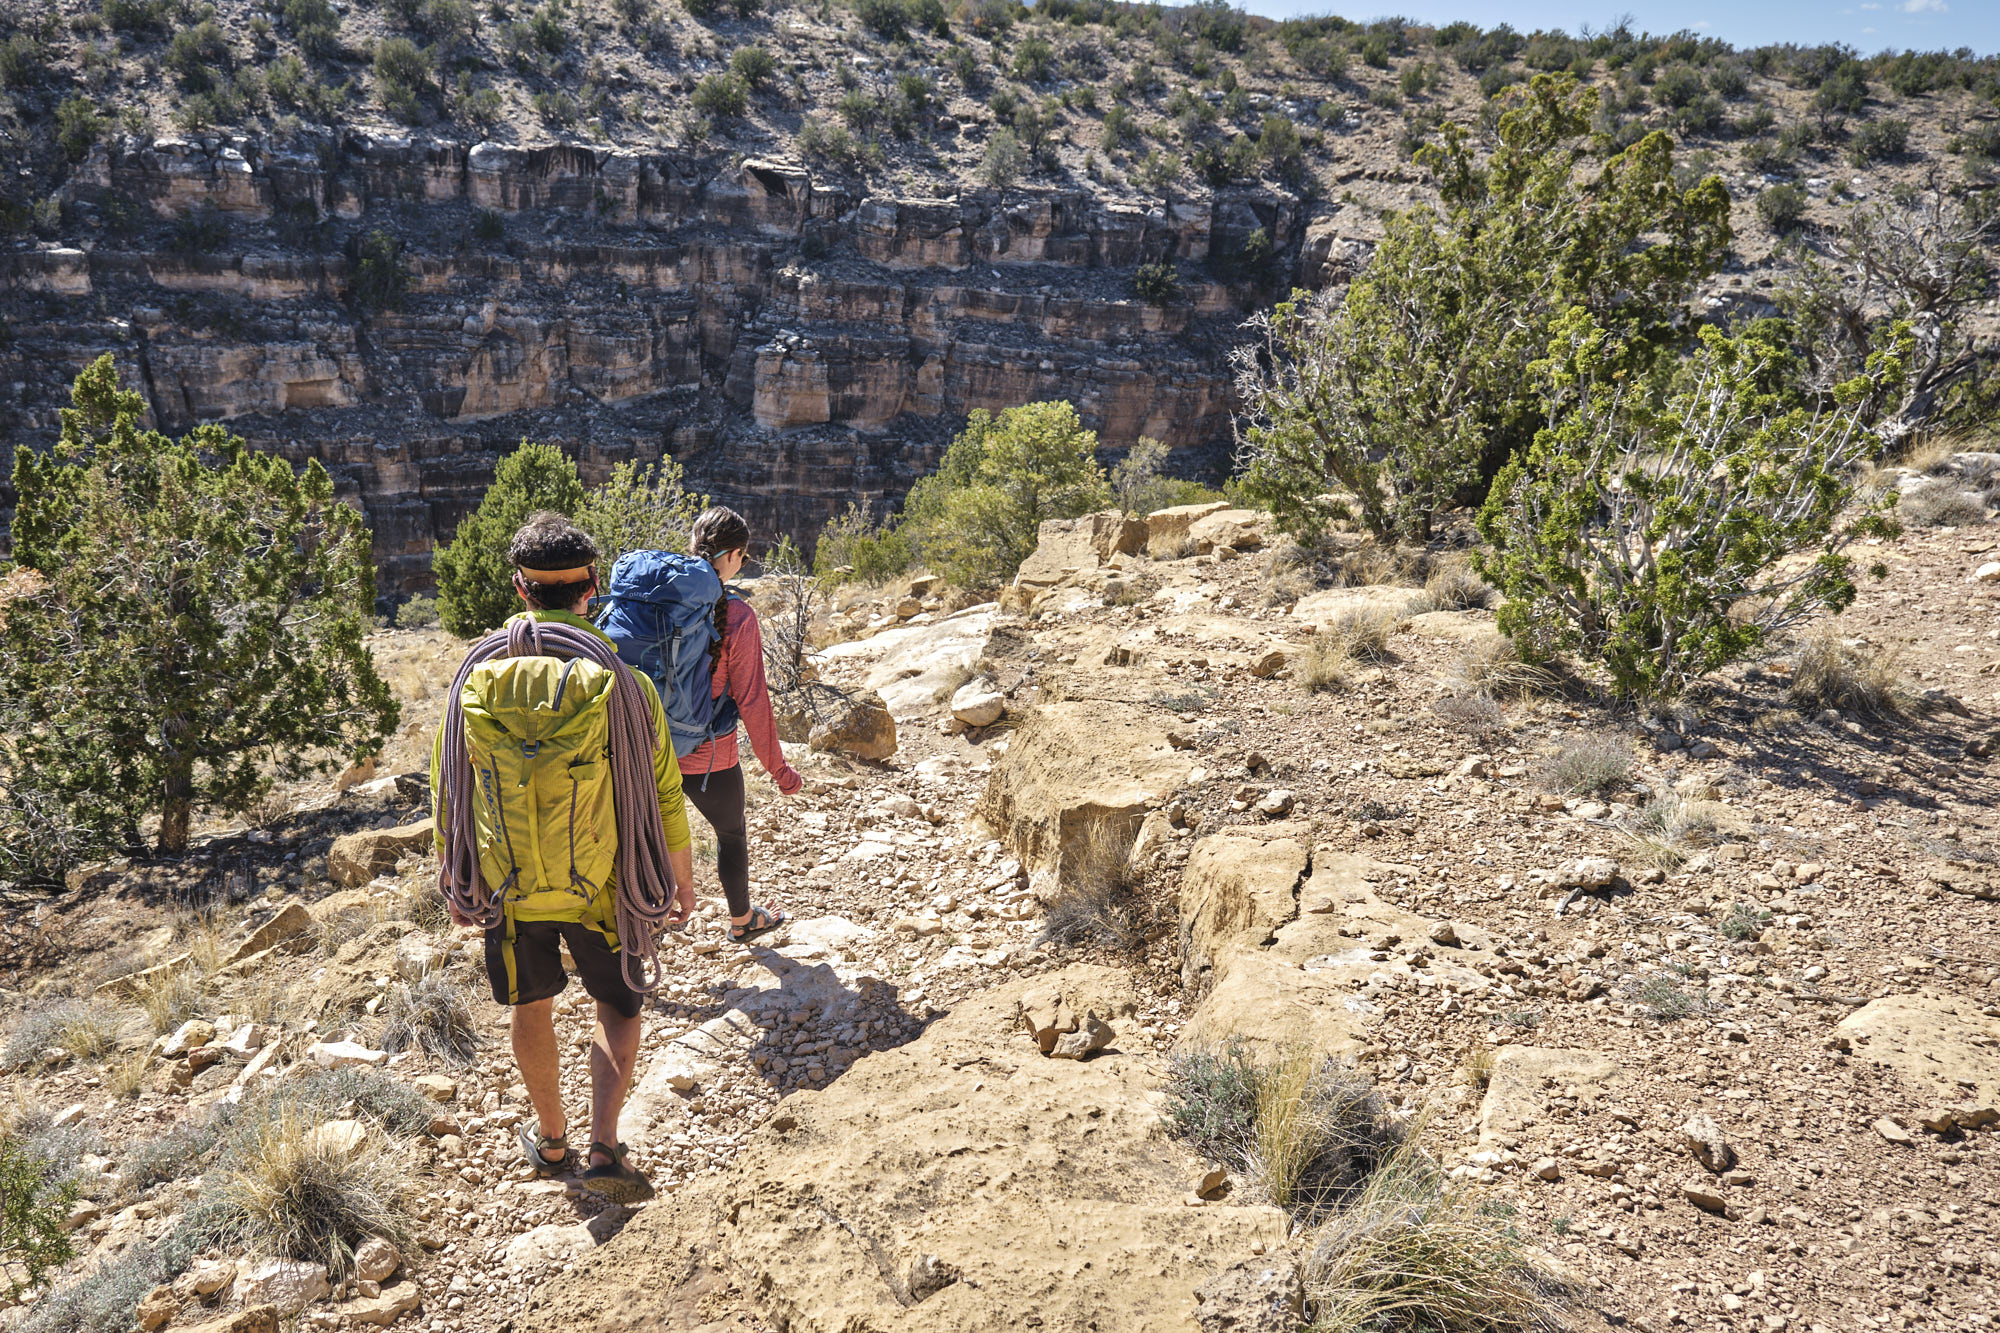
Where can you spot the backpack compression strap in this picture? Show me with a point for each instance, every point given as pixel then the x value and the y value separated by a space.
pixel 645 880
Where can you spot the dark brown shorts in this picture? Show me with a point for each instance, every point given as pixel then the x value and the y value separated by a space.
pixel 530 968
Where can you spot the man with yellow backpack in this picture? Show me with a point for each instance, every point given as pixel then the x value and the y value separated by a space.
pixel 560 821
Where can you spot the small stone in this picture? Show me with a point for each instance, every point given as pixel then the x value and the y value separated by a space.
pixel 1211 1182
pixel 1586 872
pixel 376 1260
pixel 1256 1295
pixel 344 1054
pixel 1893 1132
pixel 386 1308
pixel 195 1032
pixel 1276 805
pixel 1988 572
pixel 201 1057
pixel 550 1243
pixel 930 1275
pixel 1704 1139
pixel 211 1276
pixel 157 1307
pixel 978 703
pixel 1093 1035
pixel 1705 1197
pixel 1547 1169
pixel 247 1039
pixel 287 1284
pixel 81 1214
pixel 1446 934
pixel 436 1087
pixel 1738 1177
pixel 922 926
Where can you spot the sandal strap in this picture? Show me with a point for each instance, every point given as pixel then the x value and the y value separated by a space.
pixel 761 918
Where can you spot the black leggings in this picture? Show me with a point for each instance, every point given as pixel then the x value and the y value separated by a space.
pixel 719 797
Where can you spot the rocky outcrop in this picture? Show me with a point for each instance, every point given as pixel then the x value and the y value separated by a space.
pixel 1078 771
pixel 961 1182
pixel 795 346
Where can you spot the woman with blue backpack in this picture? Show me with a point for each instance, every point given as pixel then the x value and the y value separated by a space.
pixel 673 617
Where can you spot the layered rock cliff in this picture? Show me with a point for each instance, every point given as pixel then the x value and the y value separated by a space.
pixel 794 345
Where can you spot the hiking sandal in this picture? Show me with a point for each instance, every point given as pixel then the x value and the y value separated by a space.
pixel 534 1145
pixel 762 922
pixel 615 1181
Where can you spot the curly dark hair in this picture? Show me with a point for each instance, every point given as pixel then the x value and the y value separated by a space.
pixel 550 541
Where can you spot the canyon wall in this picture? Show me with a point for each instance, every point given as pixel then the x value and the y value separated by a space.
pixel 796 346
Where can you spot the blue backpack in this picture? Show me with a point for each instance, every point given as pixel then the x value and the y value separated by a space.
pixel 660 611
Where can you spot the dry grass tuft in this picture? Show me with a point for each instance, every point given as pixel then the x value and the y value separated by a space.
pixel 1470 712
pixel 433 1016
pixel 1452 586
pixel 1853 678
pixel 1492 667
pixel 1307 1128
pixel 1365 631
pixel 1667 830
pixel 171 999
pixel 80 1029
pixel 1097 902
pixel 1325 665
pixel 300 1194
pixel 1587 765
pixel 1479 1065
pixel 1415 1250
pixel 1941 504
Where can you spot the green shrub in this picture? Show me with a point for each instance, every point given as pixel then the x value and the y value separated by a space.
pixel 488 226
pixel 1845 90
pixel 33 1237
pixel 77 126
pixel 402 78
pixel 1678 85
pixel 381 275
pixel 223 587
pixel 977 517
pixel 855 547
pixel 314 25
pixel 720 95
pixel 888 19
pixel 136 15
pixel 1004 160
pixel 1649 533
pixel 1783 207
pixel 1140 486
pixel 1411 386
pixel 475 587
pixel 638 508
pixel 556 107
pixel 199 56
pixel 417 613
pixel 753 65
pixel 1879 140
pixel 1157 284
pixel 1034 60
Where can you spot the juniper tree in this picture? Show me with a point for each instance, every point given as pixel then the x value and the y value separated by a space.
pixel 1660 532
pixel 474 583
pixel 1411 387
pixel 184 624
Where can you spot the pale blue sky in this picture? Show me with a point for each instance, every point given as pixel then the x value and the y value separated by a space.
pixel 1925 25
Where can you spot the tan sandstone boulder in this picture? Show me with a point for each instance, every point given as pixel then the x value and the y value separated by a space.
pixel 1077 771
pixel 355 859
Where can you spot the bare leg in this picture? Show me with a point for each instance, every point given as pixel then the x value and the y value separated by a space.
pixel 533 1029
pixel 612 1057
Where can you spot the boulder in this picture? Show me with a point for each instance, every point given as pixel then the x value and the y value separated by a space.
pixel 911 665
pixel 436 1087
pixel 1239 529
pixel 291 923
pixel 156 1307
pixel 863 729
pixel 1942 1046
pixel 1067 548
pixel 289 1284
pixel 1078 771
pixel 1092 1034
pixel 211 1276
pixel 1586 872
pixel 1237 889
pixel 356 858
pixel 1253 1296
pixel 978 703
pixel 1167 529
pixel 376 1260
pixel 1088 1228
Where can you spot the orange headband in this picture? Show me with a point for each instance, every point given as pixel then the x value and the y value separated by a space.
pixel 557 575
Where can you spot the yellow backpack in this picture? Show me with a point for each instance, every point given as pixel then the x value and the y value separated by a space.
pixel 537 733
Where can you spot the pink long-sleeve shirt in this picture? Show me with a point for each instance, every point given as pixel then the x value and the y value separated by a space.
pixel 741 667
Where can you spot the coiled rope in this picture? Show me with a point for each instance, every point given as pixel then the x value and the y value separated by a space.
pixel 645 880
